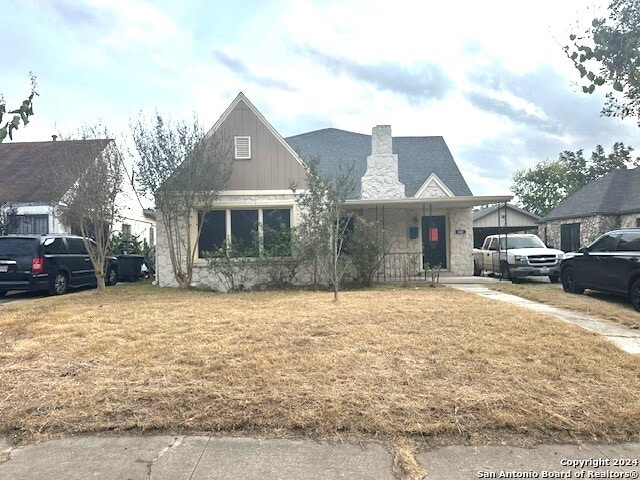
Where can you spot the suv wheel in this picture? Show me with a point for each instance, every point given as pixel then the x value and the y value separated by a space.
pixel 570 281
pixel 112 277
pixel 60 284
pixel 634 294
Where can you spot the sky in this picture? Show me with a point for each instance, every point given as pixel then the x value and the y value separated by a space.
pixel 490 77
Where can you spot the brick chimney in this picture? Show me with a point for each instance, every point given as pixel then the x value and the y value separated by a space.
pixel 381 177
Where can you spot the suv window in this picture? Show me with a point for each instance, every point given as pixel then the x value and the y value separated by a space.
pixel 76 246
pixel 603 244
pixel 53 246
pixel 629 242
pixel 18 246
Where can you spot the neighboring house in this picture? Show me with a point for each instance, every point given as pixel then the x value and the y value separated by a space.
pixel 25 168
pixel 502 218
pixel 610 202
pixel 411 185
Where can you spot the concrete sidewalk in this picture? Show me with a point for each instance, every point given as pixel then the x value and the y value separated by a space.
pixel 201 457
pixel 625 338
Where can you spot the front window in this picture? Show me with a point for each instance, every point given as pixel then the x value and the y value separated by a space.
pixel 245 237
pixel 33 224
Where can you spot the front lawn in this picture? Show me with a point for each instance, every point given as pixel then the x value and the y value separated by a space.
pixel 433 364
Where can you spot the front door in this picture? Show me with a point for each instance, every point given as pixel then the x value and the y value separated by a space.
pixel 434 241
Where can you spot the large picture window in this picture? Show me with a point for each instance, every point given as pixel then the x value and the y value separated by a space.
pixel 241 227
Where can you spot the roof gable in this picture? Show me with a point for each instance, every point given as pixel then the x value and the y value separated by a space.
pixel 273 164
pixel 418 158
pixel 24 166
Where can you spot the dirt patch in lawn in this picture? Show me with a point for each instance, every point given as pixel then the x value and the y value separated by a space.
pixel 609 307
pixel 435 365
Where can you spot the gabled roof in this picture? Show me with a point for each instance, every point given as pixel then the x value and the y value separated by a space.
pixel 418 158
pixel 25 166
pixel 478 214
pixel 616 193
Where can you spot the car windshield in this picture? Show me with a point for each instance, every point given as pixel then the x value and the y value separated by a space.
pixel 17 246
pixel 521 242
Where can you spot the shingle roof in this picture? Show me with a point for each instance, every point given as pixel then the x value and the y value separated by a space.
pixel 618 192
pixel 418 157
pixel 25 166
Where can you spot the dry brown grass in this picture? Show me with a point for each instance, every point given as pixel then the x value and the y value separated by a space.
pixel 421 363
pixel 610 307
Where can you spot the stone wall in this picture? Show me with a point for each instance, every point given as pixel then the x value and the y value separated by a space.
pixel 461 245
pixel 629 221
pixel 590 228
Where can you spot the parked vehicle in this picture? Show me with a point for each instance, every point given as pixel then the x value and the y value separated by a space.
pixel 515 256
pixel 52 263
pixel 610 264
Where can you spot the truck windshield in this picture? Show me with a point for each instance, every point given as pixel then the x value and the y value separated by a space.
pixel 521 242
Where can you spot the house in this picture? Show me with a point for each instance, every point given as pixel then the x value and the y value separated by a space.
pixel 607 203
pixel 25 168
pixel 502 218
pixel 410 185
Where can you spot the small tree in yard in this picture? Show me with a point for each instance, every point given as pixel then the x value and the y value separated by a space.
pixel 324 222
pixel 184 170
pixel 95 169
pixel 367 247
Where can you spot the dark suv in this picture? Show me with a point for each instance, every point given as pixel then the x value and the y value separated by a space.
pixel 610 264
pixel 52 263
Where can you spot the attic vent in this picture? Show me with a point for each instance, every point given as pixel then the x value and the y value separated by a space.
pixel 243 147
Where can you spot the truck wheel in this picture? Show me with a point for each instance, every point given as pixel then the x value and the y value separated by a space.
pixel 505 272
pixel 634 294
pixel 553 278
pixel 570 281
pixel 476 271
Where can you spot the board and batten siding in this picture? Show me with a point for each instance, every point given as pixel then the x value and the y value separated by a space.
pixel 514 218
pixel 271 166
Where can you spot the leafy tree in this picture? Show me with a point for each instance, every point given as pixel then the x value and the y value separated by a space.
pixel 608 53
pixel 89 206
pixel 19 114
pixel 323 222
pixel 541 188
pixel 367 247
pixel 184 170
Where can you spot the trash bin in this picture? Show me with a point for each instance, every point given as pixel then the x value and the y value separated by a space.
pixel 129 267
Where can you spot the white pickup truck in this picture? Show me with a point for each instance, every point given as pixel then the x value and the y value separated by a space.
pixel 515 256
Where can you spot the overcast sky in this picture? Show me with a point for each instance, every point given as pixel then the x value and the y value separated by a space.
pixel 490 77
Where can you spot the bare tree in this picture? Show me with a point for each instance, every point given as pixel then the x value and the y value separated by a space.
pixel 185 170
pixel 94 168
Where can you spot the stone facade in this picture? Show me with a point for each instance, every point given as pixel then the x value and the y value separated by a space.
pixel 381 178
pixel 434 190
pixel 590 228
pixel 630 221
pixel 461 244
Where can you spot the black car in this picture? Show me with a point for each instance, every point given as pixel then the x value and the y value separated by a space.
pixel 52 263
pixel 610 264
